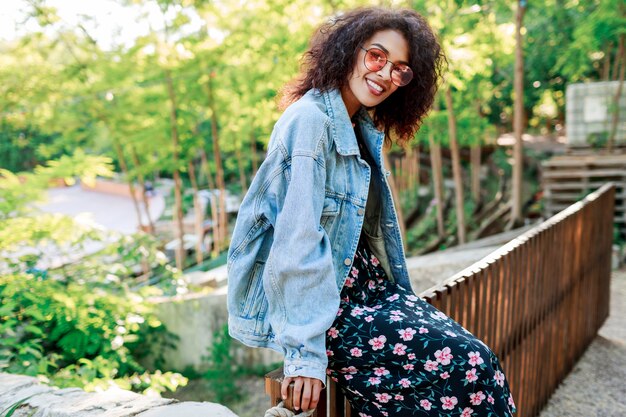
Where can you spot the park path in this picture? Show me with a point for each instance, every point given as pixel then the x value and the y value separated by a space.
pixel 596 387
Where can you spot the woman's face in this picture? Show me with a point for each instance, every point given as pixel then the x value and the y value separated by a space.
pixel 368 88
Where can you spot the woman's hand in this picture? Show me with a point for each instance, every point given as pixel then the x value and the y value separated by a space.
pixel 306 391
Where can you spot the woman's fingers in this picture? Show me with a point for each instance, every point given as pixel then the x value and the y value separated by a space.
pixel 284 388
pixel 306 392
pixel 306 395
pixel 317 389
pixel 297 391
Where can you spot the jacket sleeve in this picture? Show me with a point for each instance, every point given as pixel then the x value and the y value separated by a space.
pixel 301 276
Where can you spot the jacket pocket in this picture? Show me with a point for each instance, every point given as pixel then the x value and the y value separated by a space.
pixel 330 210
pixel 254 299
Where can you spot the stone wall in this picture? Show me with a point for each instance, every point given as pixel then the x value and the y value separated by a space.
pixel 32 399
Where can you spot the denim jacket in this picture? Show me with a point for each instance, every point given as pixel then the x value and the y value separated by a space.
pixel 298 228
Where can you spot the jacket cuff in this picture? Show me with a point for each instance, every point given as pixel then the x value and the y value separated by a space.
pixel 298 367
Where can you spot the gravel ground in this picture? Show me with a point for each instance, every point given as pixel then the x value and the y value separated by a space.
pixel 596 387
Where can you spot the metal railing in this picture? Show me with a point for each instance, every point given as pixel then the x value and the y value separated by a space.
pixel 537 302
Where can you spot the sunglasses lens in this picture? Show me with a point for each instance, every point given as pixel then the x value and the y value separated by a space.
pixel 401 75
pixel 375 59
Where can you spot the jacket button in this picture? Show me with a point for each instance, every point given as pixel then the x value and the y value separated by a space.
pixel 360 212
pixel 347 261
pixel 291 368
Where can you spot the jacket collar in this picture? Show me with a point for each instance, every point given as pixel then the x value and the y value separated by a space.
pixel 342 130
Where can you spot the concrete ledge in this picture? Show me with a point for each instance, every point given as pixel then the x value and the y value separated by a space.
pixel 40 400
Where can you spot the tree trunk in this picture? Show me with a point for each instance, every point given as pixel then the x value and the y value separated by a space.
pixel 437 173
pixel 131 187
pixel 456 169
pixel 518 119
pixel 606 64
pixel 222 223
pixel 142 184
pixel 205 168
pixel 475 157
pixel 621 57
pixel 242 171
pixel 198 214
pixel 255 160
pixel 178 200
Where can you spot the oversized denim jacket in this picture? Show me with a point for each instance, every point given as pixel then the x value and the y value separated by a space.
pixel 298 228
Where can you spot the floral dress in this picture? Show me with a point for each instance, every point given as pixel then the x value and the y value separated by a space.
pixel 393 354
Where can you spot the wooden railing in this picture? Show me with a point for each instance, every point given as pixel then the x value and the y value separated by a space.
pixel 537 302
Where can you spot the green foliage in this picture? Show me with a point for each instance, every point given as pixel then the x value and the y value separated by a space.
pixel 222 367
pixel 76 335
pixel 66 311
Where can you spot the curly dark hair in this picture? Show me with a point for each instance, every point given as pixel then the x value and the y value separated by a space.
pixel 332 55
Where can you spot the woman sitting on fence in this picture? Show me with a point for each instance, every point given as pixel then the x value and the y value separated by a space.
pixel 317 269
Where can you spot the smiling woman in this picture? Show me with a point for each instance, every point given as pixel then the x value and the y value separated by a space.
pixel 316 266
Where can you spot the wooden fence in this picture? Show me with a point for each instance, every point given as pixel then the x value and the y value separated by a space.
pixel 537 301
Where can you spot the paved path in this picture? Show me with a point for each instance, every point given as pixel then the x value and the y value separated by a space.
pixel 113 212
pixel 596 387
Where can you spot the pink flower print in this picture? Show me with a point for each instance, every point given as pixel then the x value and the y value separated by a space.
pixel 333 332
pixel 384 413
pixel 438 315
pixel 369 319
pixel 397 313
pixel 511 402
pixel 499 377
pixel 467 412
pixel 425 404
pixel 395 318
pixel 448 402
pixel 364 415
pixel 409 303
pixel 349 282
pixel 408 366
pixel 422 330
pixel 381 371
pixel 377 307
pixel 444 375
pixel 356 352
pixel 383 398
pixel 412 297
pixel 431 366
pixel 470 376
pixel 354 272
pixel 348 377
pixel 407 334
pixel 475 359
pixel 378 342
pixel 393 297
pixel 451 334
pixel 329 352
pixel 356 311
pixel 398 397
pixel 490 400
pixel 399 349
pixel 411 356
pixel 443 356
pixel 374 260
pixel 374 380
pixel 350 370
pixel 339 312
pixel 371 284
pixel 477 398
pixel 405 382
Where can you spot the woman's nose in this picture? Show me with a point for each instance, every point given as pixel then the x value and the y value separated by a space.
pixel 385 72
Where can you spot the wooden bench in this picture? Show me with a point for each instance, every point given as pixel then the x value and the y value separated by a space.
pixel 332 401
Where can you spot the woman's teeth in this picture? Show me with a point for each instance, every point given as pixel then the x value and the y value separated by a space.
pixel 374 86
